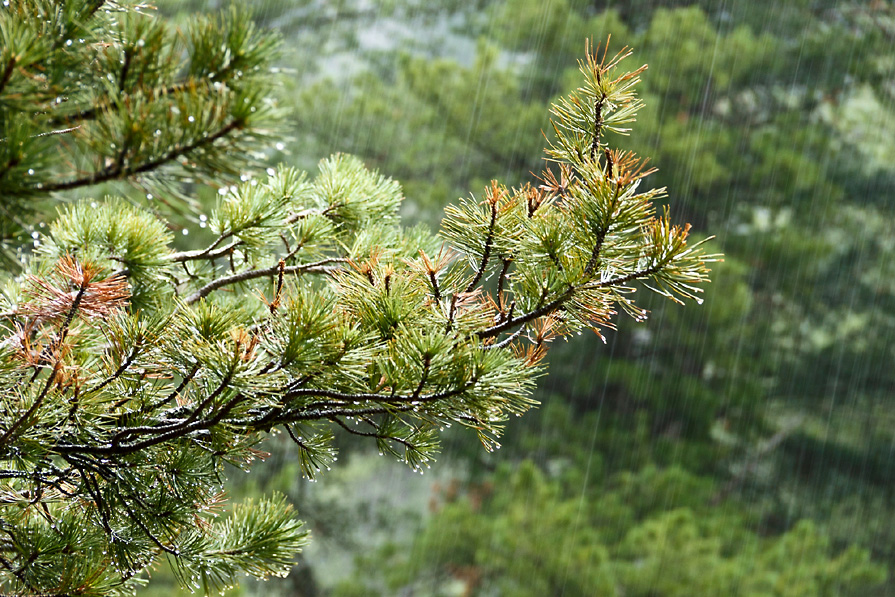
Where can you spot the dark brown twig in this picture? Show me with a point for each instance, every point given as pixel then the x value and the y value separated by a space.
pixel 318 267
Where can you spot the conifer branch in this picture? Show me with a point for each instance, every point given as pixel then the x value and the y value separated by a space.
pixel 57 132
pixel 18 573
pixel 119 170
pixel 131 357
pixel 93 112
pixel 125 68
pixel 182 429
pixel 99 4
pixel 502 278
pixel 598 124
pixel 452 312
pixel 436 291
pixel 370 338
pixel 173 432
pixel 116 440
pixel 318 267
pixel 627 278
pixel 294 437
pixel 318 415
pixel 208 253
pixel 176 391
pixel 92 488
pixel 7 73
pixel 151 94
pixel 513 322
pixel 139 522
pixel 376 434
pixel 601 236
pixel 555 304
pixel 370 397
pixel 51 378
pixel 427 362
pixel 493 201
pixel 505 342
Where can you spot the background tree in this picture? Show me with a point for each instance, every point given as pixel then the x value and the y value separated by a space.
pixel 133 372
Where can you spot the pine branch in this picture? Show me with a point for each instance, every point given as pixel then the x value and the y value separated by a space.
pixel 119 171
pixel 18 573
pixel 369 397
pixel 563 298
pixel 36 405
pixel 92 11
pixel 601 238
pixel 502 278
pixel 513 322
pixel 507 341
pixel 436 291
pixel 92 489
pixel 131 357
pixel 317 415
pixel 56 132
pixel 318 267
pixel 598 124
pixel 93 112
pixel 7 73
pixel 139 522
pixel 376 434
pixel 384 343
pixel 427 362
pixel 182 429
pixel 489 239
pixel 210 253
pixel 176 391
pixel 173 433
pixel 117 439
pixel 627 278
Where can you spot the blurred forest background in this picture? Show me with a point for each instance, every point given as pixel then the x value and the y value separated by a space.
pixel 744 447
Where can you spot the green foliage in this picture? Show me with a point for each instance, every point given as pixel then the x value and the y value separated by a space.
pixel 113 237
pixel 769 120
pixel 134 373
pixel 124 97
pixel 654 532
pixel 257 539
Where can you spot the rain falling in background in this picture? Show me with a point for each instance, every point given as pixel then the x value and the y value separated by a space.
pixel 741 447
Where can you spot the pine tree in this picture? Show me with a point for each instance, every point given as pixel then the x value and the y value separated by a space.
pixel 132 373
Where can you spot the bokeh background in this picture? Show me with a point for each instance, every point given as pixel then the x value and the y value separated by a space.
pixel 741 447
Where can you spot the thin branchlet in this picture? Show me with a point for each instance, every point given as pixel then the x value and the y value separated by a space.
pixel 131 357
pixel 502 278
pixel 494 198
pixel 598 125
pixel 318 267
pixel 119 170
pixel 210 253
pixel 176 391
pixel 7 72
pixel 564 297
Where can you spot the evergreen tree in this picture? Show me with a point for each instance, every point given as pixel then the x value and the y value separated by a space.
pixel 132 372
